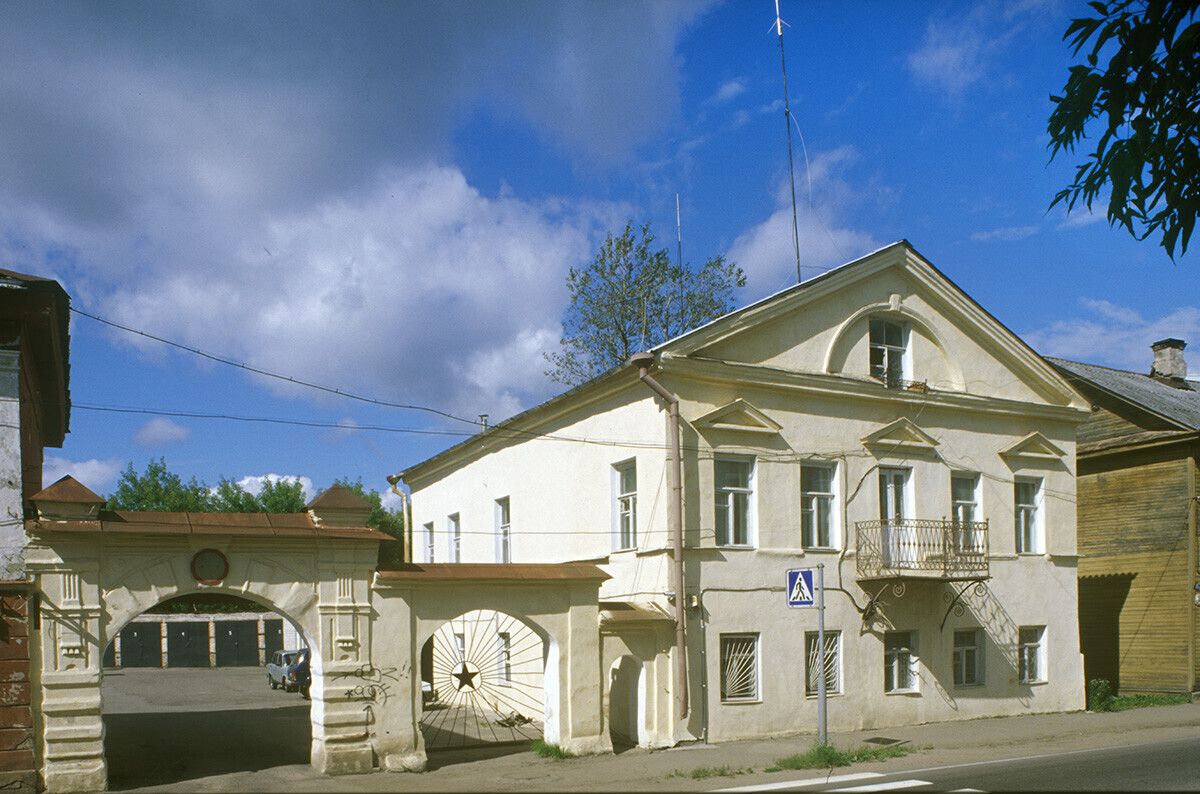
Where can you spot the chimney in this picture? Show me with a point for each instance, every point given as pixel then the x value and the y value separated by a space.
pixel 1168 359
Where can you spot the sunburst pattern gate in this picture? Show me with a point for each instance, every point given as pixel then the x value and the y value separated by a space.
pixel 487 683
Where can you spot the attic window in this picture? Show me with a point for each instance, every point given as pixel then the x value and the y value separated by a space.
pixel 889 351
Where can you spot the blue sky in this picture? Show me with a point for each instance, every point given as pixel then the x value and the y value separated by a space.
pixel 385 198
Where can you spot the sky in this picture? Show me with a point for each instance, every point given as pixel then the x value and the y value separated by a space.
pixel 383 199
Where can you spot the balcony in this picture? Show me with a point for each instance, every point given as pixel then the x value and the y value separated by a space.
pixel 922 549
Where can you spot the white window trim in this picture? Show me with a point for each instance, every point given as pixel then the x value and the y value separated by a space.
pixel 1039 517
pixel 751 501
pixel 454 536
pixel 504 658
pixel 913 665
pixel 618 542
pixel 753 670
pixel 429 542
pixel 978 646
pixel 905 349
pixel 833 687
pixel 835 501
pixel 1039 650
pixel 503 511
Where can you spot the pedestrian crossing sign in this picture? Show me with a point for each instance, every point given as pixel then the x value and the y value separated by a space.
pixel 800 589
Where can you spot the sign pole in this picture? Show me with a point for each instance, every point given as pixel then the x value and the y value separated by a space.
pixel 821 732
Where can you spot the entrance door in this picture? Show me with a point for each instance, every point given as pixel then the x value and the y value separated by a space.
pixel 187 644
pixel 237 643
pixel 896 541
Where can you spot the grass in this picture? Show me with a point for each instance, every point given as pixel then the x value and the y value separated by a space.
pixel 823 756
pixel 550 750
pixel 1100 698
pixel 701 772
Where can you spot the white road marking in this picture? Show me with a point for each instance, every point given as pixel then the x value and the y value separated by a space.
pixel 895 784
pixel 816 781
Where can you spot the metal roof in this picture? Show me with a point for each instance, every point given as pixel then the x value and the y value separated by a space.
pixel 1176 403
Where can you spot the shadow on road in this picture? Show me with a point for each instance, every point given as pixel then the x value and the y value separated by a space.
pixel 155 748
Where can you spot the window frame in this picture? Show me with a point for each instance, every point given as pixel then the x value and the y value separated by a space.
pixel 968 658
pixel 899 658
pixel 454 536
pixel 624 506
pixel 808 514
pixel 964 539
pixel 1031 649
pixel 504 658
pixel 503 511
pixel 729 509
pixel 834 686
pixel 1028 517
pixel 887 372
pixel 430 546
pixel 728 654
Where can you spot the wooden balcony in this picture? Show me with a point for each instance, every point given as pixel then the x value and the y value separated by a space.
pixel 922 549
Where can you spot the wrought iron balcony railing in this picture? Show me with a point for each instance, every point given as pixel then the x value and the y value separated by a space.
pixel 922 549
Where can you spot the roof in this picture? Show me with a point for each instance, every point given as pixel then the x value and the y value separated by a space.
pixel 1176 404
pixel 43 308
pixel 501 571
pixel 281 525
pixel 67 489
pixel 339 497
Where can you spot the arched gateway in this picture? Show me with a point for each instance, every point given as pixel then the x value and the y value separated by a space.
pixel 95 570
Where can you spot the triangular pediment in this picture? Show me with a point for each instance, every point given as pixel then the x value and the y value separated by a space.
pixel 738 415
pixel 901 436
pixel 1034 446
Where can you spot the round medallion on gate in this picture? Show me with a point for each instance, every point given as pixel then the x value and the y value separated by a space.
pixel 209 566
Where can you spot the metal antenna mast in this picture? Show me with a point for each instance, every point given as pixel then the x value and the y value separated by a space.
pixel 787 117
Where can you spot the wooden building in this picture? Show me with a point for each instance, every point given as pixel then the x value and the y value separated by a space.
pixel 1138 487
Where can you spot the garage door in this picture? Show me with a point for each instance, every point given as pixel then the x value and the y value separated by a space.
pixel 187 644
pixel 237 643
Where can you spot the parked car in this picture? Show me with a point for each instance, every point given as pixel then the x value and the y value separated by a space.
pixel 283 672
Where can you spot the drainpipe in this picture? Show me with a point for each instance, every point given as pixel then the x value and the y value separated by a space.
pixel 406 535
pixel 643 361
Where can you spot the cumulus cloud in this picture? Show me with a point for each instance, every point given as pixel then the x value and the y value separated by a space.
pixel 1007 234
pixel 728 90
pixel 159 431
pixel 100 476
pixel 767 252
pixel 1115 336
pixel 254 483
pixel 962 49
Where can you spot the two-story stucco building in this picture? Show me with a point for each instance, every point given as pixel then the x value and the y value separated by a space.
pixel 875 421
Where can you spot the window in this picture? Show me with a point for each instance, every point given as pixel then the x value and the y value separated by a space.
pixel 1027 496
pixel 739 667
pixel 888 343
pixel 503 531
pixel 460 645
pixel 816 507
pixel 429 542
pixel 455 534
pixel 504 657
pixel 625 505
pixel 1031 654
pixel 964 511
pixel 833 663
pixel 734 497
pixel 899 540
pixel 968 658
pixel 899 661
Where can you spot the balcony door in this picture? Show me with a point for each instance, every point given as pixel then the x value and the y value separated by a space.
pixel 898 543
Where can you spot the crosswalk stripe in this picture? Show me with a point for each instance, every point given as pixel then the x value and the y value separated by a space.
pixel 816 781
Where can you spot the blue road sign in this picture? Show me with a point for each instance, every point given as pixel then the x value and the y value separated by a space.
pixel 800 588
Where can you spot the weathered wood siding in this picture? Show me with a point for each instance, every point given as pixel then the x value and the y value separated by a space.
pixel 1134 521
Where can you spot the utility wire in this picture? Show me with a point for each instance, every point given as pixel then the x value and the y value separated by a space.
pixel 268 374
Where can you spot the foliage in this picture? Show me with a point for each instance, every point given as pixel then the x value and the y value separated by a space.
pixel 632 298
pixel 825 756
pixel 701 772
pixel 549 750
pixel 1101 698
pixel 1147 95
pixel 205 602
pixel 159 490
pixel 1099 695
pixel 382 519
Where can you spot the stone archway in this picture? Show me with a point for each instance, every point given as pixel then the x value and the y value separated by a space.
pixel 97 571
pixel 627 701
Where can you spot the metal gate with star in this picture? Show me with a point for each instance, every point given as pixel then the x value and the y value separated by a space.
pixel 483 682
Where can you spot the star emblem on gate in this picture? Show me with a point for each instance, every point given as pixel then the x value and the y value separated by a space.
pixel 465 674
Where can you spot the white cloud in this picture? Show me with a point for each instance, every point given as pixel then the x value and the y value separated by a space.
pixel 730 89
pixel 100 476
pixel 767 252
pixel 254 483
pixel 964 48
pixel 1115 336
pixel 1008 233
pixel 159 431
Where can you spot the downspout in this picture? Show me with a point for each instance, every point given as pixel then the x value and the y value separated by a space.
pixel 643 361
pixel 406 535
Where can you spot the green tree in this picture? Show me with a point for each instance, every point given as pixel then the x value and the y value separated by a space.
pixel 1148 98
pixel 159 490
pixel 387 521
pixel 632 298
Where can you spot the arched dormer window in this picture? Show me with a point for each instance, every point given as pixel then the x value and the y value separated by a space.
pixel 890 359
